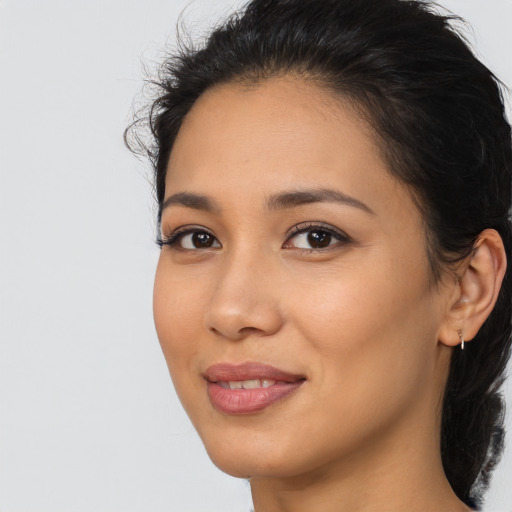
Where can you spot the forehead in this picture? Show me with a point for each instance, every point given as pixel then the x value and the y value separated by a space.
pixel 282 110
pixel 277 134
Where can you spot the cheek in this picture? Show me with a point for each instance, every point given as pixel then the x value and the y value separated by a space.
pixel 369 341
pixel 177 312
pixel 374 323
pixel 178 305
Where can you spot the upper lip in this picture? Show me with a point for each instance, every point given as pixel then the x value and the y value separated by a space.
pixel 226 372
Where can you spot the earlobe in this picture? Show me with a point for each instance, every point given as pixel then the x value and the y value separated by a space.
pixel 479 283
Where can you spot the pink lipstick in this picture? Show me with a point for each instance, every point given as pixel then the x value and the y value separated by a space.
pixel 249 387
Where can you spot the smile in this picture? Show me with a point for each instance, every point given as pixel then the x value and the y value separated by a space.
pixel 247 384
pixel 249 387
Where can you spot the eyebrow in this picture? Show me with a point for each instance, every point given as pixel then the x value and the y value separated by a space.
pixel 324 195
pixel 194 201
pixel 275 202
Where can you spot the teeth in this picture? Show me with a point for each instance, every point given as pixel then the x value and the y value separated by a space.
pixel 248 384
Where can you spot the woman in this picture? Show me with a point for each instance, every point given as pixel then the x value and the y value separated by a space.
pixel 333 297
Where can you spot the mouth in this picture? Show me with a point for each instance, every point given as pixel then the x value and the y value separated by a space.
pixel 247 384
pixel 248 388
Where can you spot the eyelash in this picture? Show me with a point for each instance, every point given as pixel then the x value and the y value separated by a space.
pixel 175 237
pixel 307 227
pixel 173 240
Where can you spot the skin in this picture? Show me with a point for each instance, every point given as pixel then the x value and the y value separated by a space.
pixel 360 319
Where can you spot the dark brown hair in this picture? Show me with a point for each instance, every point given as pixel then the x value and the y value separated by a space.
pixel 439 116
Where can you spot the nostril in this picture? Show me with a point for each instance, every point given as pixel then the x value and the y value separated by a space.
pixel 237 334
pixel 251 330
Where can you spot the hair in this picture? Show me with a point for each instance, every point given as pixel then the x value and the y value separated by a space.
pixel 438 116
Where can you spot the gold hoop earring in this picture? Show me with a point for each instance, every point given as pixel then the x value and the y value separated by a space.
pixel 461 338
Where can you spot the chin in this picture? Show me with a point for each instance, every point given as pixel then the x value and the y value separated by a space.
pixel 239 466
pixel 249 455
pixel 252 454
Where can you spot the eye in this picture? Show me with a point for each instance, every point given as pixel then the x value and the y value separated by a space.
pixel 313 240
pixel 190 240
pixel 198 240
pixel 315 237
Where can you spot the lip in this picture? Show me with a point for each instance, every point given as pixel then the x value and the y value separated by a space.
pixel 248 401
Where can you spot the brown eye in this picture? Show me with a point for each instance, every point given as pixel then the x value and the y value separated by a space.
pixel 319 239
pixel 194 240
pixel 311 237
pixel 201 240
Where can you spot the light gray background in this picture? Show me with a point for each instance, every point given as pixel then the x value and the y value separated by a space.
pixel 88 418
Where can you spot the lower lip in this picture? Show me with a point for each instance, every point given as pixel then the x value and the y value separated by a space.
pixel 247 401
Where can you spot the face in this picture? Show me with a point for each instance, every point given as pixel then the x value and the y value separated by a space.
pixel 292 298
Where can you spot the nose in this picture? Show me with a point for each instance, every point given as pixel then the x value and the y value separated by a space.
pixel 244 301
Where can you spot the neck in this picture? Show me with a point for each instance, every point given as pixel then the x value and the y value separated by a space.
pixel 401 480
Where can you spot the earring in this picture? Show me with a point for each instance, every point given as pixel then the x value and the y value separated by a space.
pixel 461 338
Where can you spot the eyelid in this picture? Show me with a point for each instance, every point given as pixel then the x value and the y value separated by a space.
pixel 304 227
pixel 177 234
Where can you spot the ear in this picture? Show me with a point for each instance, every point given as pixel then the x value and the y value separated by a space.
pixel 475 293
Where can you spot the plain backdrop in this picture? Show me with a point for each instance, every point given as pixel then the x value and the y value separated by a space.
pixel 88 418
